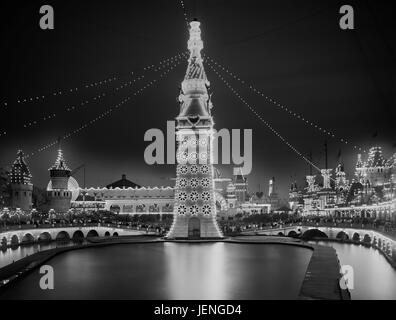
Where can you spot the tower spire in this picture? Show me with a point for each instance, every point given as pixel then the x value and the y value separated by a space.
pixel 195 104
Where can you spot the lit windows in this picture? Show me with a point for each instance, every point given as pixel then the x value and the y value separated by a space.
pixel 182 157
pixel 182 209
pixel 194 182
pixel 194 209
pixel 205 196
pixel 206 209
pixel 182 196
pixel 182 169
pixel 204 169
pixel 194 169
pixel 183 183
pixel 194 196
pixel 205 182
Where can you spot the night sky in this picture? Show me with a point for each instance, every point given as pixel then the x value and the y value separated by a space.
pixel 293 51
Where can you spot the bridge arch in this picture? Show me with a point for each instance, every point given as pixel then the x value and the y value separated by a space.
pixel 314 233
pixel 367 238
pixel 78 235
pixel 44 237
pixel 27 238
pixel 115 234
pixel 107 234
pixel 342 235
pixel 292 233
pixel 14 240
pixel 92 233
pixel 4 242
pixel 356 237
pixel 62 236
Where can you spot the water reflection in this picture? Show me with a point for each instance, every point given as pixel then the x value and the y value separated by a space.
pixel 12 254
pixel 173 271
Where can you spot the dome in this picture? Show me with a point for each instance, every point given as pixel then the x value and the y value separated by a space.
pixel 123 183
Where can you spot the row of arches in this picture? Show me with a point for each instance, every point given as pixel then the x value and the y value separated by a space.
pixel 28 238
pixel 373 239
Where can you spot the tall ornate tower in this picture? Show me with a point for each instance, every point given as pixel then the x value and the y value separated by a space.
pixel 21 187
pixel 194 209
pixel 241 187
pixel 58 193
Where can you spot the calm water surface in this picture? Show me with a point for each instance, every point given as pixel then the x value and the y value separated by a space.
pixel 8 255
pixel 173 271
pixel 374 277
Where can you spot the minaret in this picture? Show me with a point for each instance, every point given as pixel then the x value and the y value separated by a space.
pixel 21 187
pixel 271 186
pixel 326 174
pixel 241 186
pixel 359 168
pixel 311 183
pixel 58 193
pixel 194 209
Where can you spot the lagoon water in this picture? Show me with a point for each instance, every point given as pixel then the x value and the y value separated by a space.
pixel 172 271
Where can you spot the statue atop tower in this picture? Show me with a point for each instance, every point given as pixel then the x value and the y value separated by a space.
pixel 194 209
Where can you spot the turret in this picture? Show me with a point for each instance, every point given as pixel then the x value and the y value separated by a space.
pixel 21 186
pixel 58 193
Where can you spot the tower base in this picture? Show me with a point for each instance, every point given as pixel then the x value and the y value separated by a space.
pixel 194 228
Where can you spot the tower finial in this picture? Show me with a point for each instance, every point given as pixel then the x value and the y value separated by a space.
pixel 195 43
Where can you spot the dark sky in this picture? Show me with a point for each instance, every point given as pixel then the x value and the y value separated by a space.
pixel 294 51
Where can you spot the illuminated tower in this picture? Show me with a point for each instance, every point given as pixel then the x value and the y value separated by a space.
pixel 241 187
pixel 326 174
pixel 21 187
pixel 194 209
pixel 58 193
pixel 311 183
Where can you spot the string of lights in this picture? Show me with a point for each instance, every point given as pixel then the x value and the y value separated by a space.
pixel 58 93
pixel 184 11
pixel 281 106
pixel 66 91
pixel 69 108
pixel 108 111
pixel 268 125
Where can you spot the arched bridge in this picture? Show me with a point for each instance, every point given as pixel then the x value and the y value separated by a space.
pixel 378 240
pixel 16 237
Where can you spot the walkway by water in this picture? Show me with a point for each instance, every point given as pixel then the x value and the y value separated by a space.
pixel 374 277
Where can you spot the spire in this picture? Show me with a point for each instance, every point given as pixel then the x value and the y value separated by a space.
pixel 60 163
pixel 194 99
pixel 375 158
pixel 359 163
pixel 195 68
pixel 20 172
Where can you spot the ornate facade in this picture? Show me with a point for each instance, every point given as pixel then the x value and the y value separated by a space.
pixel 194 207
pixel 373 186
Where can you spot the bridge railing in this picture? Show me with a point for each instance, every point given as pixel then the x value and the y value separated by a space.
pixel 388 232
pixel 64 225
